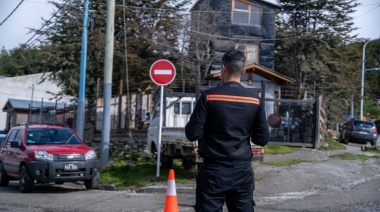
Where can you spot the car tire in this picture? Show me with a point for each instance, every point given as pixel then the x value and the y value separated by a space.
pixel 26 183
pixel 4 179
pixel 92 183
pixel 373 143
pixel 345 141
pixel 166 162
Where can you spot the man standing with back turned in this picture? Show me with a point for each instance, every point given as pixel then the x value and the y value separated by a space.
pixel 224 120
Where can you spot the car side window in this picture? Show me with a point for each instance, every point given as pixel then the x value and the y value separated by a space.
pixel 12 136
pixel 15 135
pixel 18 137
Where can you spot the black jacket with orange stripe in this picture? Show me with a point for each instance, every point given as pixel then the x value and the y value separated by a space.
pixel 223 121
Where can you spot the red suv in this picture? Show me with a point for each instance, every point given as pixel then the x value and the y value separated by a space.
pixel 46 153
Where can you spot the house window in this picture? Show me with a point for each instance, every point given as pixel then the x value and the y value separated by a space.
pixel 251 52
pixel 186 108
pixel 245 13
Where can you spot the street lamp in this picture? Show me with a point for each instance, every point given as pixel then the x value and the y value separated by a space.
pixel 352 97
pixel 362 85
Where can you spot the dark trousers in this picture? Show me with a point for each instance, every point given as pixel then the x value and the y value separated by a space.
pixel 229 182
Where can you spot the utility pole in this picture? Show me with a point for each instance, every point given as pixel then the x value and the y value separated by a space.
pixel 362 84
pixel 82 79
pixel 107 87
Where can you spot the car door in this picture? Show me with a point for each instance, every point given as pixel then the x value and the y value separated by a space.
pixel 12 158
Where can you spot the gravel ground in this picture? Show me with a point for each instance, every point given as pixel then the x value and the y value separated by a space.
pixel 323 184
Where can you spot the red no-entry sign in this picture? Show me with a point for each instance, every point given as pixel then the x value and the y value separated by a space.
pixel 162 72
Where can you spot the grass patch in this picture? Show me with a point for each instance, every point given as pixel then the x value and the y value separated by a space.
pixel 372 149
pixel 121 174
pixel 287 162
pixel 332 145
pixel 350 156
pixel 278 149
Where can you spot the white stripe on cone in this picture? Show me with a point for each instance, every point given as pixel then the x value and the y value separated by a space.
pixel 162 72
pixel 171 188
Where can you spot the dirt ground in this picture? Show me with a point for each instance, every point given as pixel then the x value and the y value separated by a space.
pixel 323 184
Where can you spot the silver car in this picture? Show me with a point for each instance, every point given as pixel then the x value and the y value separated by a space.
pixel 358 131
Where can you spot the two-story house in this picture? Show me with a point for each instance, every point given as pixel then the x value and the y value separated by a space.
pixel 247 25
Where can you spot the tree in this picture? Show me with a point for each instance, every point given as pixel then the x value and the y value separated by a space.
pixel 310 35
pixel 372 78
pixel 150 26
pixel 205 33
pixel 20 61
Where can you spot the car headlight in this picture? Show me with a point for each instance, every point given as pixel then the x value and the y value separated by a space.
pixel 43 155
pixel 90 155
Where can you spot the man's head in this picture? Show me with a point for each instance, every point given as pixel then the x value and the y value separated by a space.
pixel 233 63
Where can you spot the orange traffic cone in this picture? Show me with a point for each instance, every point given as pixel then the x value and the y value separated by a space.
pixel 171 204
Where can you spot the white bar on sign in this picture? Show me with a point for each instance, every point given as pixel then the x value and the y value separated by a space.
pixel 162 72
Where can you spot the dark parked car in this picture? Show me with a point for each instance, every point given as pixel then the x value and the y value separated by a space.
pixel 358 131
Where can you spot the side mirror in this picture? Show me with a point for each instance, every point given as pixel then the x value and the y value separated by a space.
pixel 15 144
pixel 88 143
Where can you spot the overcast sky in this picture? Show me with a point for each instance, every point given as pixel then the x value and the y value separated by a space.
pixel 14 30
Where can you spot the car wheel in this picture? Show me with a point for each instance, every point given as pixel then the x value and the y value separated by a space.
pixel 373 143
pixel 26 182
pixel 345 141
pixel 92 183
pixel 4 180
pixel 166 162
pixel 340 139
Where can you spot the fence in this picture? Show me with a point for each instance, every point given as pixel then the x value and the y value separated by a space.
pixel 293 122
pixel 51 115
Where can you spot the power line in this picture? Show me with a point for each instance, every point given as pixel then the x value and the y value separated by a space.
pixel 23 46
pixel 367 12
pixel 12 12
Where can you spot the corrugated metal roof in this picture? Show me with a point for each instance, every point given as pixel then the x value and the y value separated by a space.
pixel 24 104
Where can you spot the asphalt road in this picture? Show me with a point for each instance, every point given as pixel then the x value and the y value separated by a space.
pixel 322 184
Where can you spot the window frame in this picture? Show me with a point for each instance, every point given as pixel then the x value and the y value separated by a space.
pixel 246 52
pixel 179 106
pixel 250 5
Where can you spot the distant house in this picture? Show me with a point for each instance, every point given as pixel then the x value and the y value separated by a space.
pixel 30 88
pixel 24 111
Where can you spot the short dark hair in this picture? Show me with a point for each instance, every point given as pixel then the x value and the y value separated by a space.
pixel 234 61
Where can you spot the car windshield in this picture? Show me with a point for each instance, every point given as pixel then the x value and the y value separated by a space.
pixel 363 124
pixel 43 136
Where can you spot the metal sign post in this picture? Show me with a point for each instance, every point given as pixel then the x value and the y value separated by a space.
pixel 162 72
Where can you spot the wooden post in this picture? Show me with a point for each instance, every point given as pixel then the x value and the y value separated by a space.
pixel 119 112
